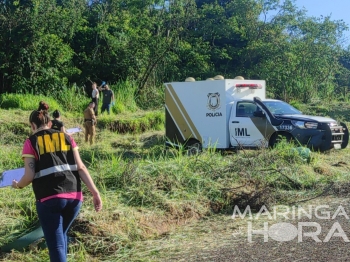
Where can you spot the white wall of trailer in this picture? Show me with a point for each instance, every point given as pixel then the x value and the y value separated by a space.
pixel 208 105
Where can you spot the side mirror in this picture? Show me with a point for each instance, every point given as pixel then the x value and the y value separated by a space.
pixel 259 114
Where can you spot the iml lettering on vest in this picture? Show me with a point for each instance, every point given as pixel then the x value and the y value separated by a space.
pixel 54 143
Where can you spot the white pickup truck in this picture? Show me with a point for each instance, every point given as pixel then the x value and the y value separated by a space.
pixel 231 113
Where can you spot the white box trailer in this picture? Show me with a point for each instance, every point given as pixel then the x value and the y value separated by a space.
pixel 230 113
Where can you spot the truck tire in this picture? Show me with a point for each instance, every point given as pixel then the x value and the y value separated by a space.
pixel 193 147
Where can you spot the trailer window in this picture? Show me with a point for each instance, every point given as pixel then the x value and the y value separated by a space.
pixel 246 109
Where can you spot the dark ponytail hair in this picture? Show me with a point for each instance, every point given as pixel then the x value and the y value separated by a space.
pixel 43 106
pixel 41 116
pixel 56 114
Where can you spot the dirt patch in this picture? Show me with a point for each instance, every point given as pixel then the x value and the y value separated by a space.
pixel 340 190
pixel 324 170
pixel 251 192
pixel 122 228
pixel 98 241
pixel 221 238
pixel 134 125
pixel 85 227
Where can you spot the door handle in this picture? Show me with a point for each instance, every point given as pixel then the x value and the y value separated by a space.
pixel 235 122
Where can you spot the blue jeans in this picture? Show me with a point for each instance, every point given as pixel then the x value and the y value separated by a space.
pixel 106 107
pixel 56 216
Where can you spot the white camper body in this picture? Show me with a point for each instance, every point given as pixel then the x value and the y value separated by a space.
pixel 204 111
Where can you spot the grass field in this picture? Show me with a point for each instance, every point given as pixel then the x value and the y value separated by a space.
pixel 149 193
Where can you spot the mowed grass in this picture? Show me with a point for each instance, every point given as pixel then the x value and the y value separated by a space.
pixel 149 192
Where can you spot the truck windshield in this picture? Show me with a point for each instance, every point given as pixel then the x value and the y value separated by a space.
pixel 281 108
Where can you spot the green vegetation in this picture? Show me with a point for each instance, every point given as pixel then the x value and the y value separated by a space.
pixel 49 45
pixel 149 192
pixel 52 51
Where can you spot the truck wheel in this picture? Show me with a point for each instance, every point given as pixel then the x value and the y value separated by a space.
pixel 193 147
pixel 277 138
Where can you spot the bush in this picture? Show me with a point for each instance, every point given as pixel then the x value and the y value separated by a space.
pixel 73 99
pixel 151 97
pixel 297 105
pixel 124 97
pixel 26 101
pixel 150 120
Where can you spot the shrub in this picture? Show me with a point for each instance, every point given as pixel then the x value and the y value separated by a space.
pixel 124 97
pixel 73 99
pixel 26 101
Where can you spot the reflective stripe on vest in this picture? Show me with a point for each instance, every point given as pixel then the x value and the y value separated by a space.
pixel 55 169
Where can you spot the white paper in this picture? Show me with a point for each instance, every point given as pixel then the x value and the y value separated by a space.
pixel 74 130
pixel 9 175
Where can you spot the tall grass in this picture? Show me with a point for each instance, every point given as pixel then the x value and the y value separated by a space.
pixel 26 101
pixel 66 100
pixel 151 97
pixel 71 99
pixel 75 99
pixel 138 123
pixel 144 195
pixel 124 97
pixel 148 191
pixel 126 100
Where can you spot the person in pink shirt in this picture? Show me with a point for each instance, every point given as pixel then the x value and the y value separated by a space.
pixel 53 166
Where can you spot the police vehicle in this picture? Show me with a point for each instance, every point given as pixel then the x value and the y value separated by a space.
pixel 233 113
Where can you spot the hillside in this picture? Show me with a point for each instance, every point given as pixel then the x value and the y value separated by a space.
pixel 149 192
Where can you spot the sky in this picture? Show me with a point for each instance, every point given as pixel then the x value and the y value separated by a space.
pixel 337 9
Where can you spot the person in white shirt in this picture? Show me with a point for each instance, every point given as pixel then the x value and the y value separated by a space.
pixel 95 97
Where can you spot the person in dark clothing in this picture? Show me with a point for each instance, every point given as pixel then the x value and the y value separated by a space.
pixel 57 124
pixel 52 164
pixel 108 99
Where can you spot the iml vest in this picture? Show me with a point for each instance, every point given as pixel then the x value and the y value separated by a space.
pixel 55 169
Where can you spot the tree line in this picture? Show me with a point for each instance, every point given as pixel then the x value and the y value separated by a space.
pixel 46 45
